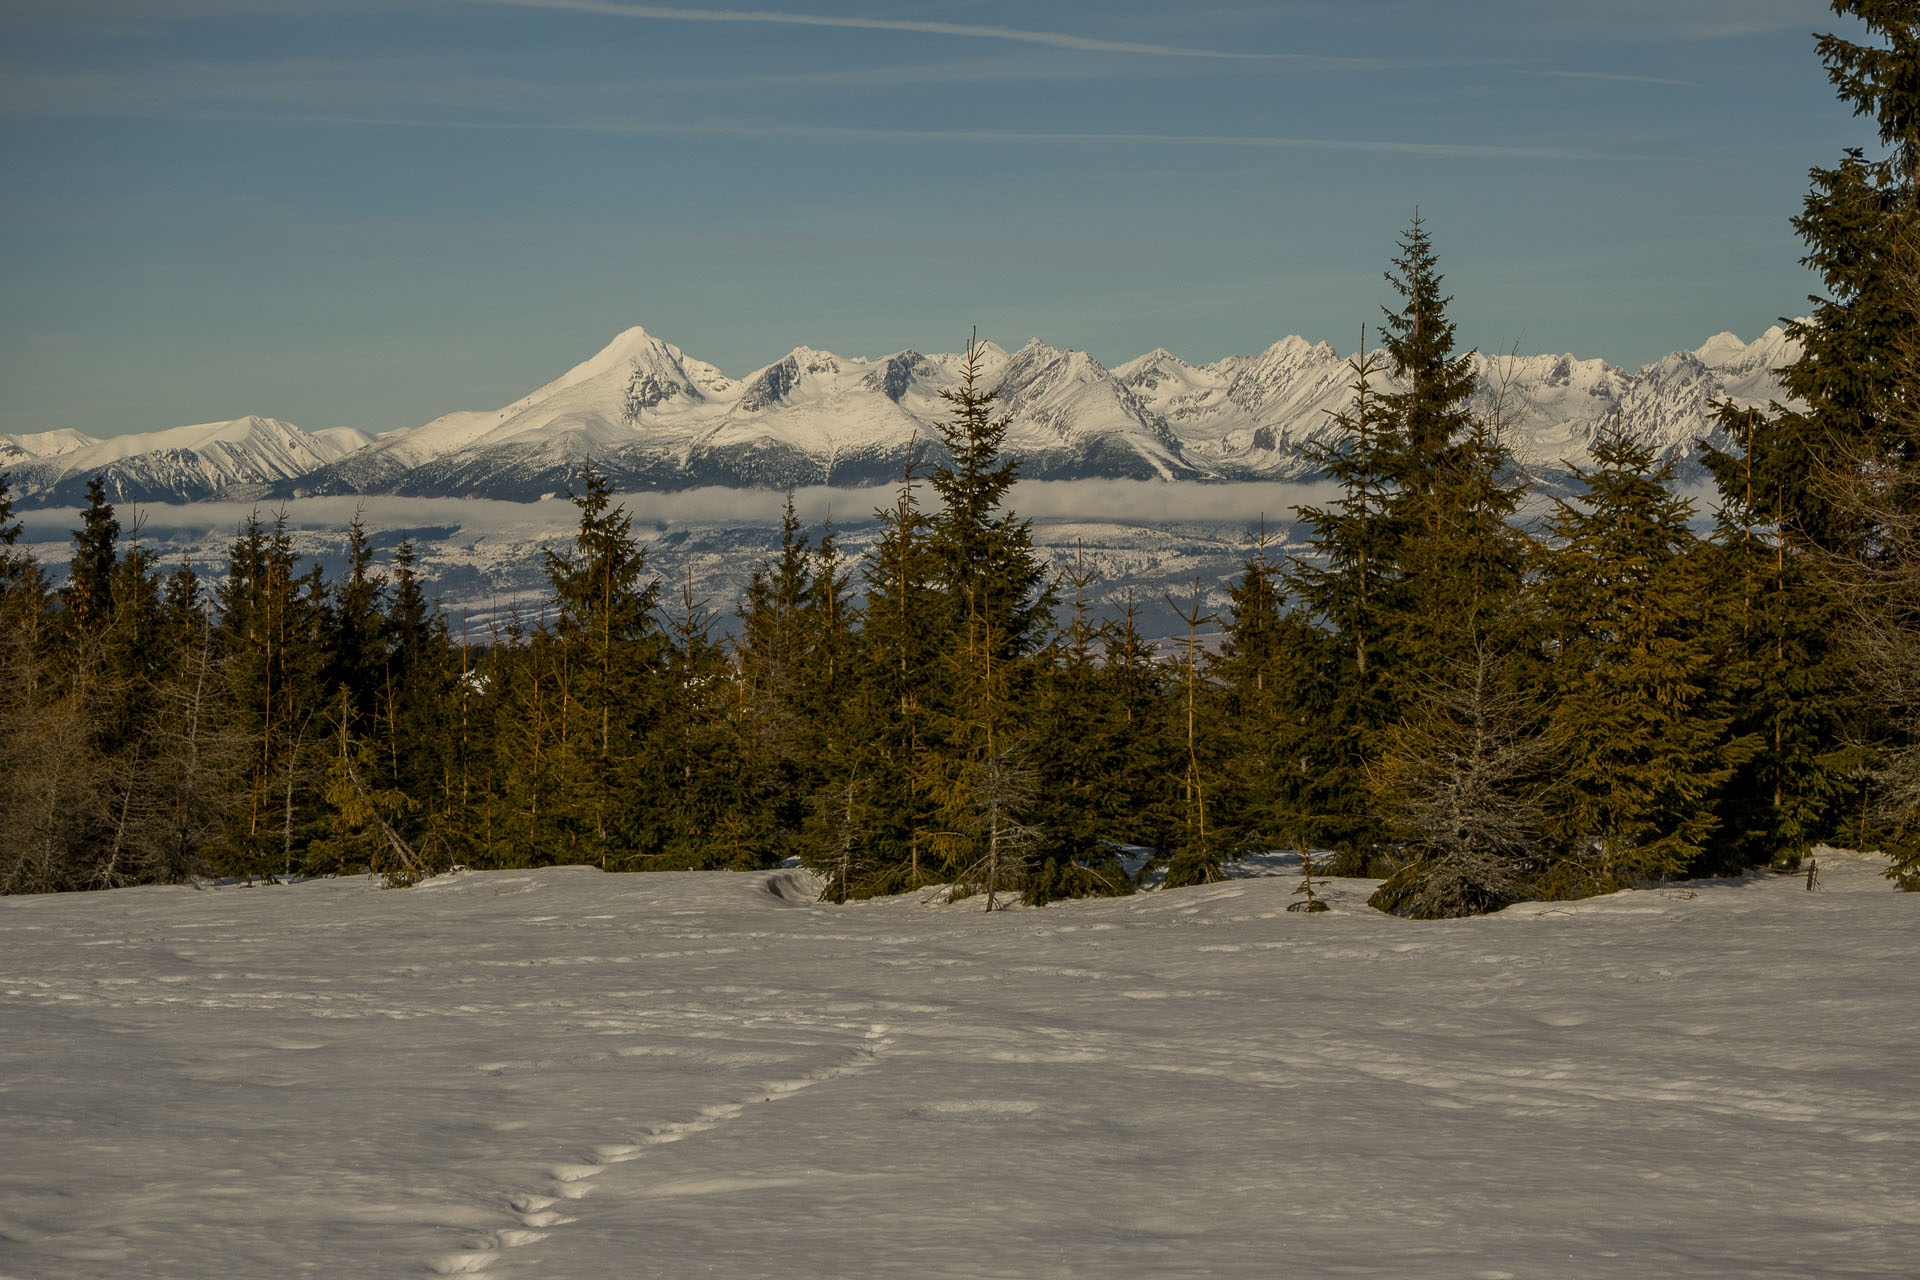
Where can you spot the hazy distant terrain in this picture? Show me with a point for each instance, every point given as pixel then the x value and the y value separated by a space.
pixel 482 557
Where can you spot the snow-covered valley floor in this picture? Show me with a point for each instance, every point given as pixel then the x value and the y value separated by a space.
pixel 562 1073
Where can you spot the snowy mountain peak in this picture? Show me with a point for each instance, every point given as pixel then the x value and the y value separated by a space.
pixel 47 444
pixel 629 346
pixel 1721 349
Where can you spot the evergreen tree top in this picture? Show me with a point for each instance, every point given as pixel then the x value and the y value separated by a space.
pixel 597 584
pixel 1418 337
pixel 988 567
pixel 1881 80
pixel 1430 415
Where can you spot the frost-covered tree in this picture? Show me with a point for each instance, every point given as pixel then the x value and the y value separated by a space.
pixel 1460 780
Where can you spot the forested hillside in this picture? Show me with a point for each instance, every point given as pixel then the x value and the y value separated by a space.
pixel 1478 709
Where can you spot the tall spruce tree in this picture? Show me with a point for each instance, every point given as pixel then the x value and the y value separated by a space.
pixel 1349 588
pixel 998 606
pixel 1844 467
pixel 272 632
pixel 1646 744
pixel 896 694
pixel 993 579
pixel 1857 219
pixel 88 593
pixel 1427 415
pixel 1781 639
pixel 1460 562
pixel 1266 674
pixel 1080 743
pixel 601 660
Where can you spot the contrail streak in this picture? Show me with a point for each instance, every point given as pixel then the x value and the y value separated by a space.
pixel 1053 39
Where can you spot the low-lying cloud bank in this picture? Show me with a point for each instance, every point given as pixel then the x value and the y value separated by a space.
pixel 1124 501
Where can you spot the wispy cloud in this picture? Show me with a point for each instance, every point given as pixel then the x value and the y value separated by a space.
pixel 1653 21
pixel 838 134
pixel 966 30
pixel 1614 75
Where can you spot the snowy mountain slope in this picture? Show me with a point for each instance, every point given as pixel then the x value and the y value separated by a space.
pixel 652 417
pixel 181 464
pixel 559 1072
pixel 1245 417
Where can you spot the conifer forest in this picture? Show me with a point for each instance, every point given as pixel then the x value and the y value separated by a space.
pixel 1474 692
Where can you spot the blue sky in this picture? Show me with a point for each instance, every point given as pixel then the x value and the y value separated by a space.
pixel 348 213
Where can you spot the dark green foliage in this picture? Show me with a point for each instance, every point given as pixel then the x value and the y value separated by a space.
pixel 1845 464
pixel 1417 563
pixel 1857 222
pixel 88 594
pixel 1781 665
pixel 991 579
pixel 1428 416
pixel 272 625
pixel 1085 750
pixel 1269 678
pixel 1348 594
pixel 1646 742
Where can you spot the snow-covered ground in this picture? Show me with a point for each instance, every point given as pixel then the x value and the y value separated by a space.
pixel 562 1073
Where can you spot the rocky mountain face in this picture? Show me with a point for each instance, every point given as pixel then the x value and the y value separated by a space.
pixel 654 418
pixel 183 464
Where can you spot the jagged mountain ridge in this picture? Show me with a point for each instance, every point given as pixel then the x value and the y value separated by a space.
pixel 653 417
pixel 180 464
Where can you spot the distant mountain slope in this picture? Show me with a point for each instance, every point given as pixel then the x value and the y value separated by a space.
pixel 653 417
pixel 182 464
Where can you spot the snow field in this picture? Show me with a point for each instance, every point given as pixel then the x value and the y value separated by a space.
pixel 560 1073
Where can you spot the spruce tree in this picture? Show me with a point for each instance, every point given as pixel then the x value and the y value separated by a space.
pixel 355 657
pixel 596 685
pixel 890 718
pixel 1458 558
pixel 1858 219
pixel 419 690
pixel 1783 666
pixel 88 593
pixel 1349 588
pixel 1646 744
pixel 1461 779
pixel 714 792
pixel 272 628
pixel 774 665
pixel 1843 461
pixel 1428 415
pixel 993 579
pixel 998 605
pixel 1199 851
pixel 1264 672
pixel 1080 744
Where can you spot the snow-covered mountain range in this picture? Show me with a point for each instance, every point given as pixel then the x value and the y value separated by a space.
pixel 652 417
pixel 182 464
